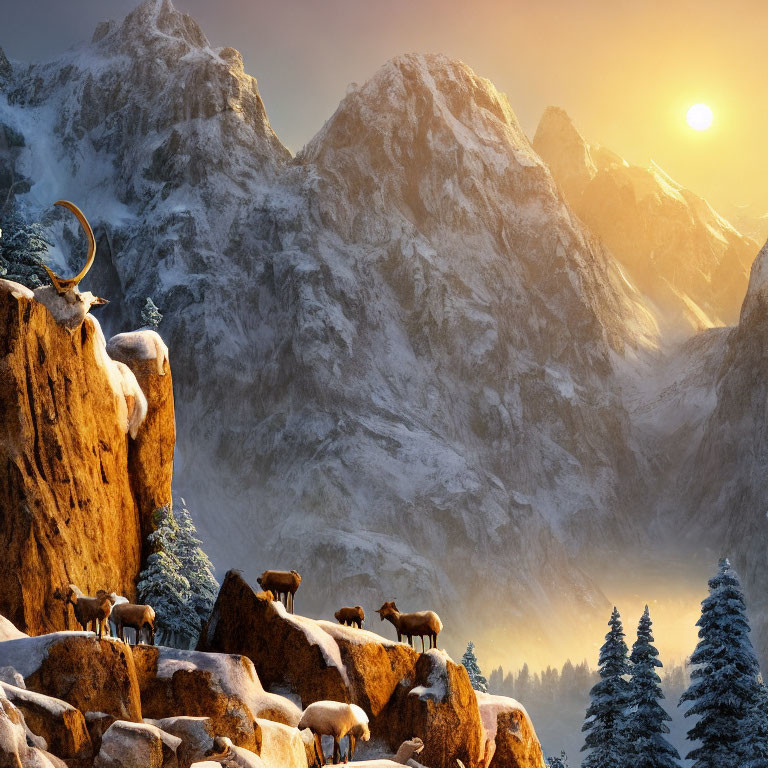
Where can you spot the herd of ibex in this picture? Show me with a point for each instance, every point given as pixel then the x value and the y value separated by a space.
pixel 284 584
pixel 94 613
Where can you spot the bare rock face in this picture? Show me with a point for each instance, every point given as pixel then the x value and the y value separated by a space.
pixel 244 621
pixel 92 675
pixel 15 752
pixel 72 486
pixel 221 687
pixel 439 705
pixel 688 260
pixel 61 725
pixel 511 740
pixel 151 453
pixel 137 745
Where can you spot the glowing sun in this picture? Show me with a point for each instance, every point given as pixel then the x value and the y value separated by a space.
pixel 699 117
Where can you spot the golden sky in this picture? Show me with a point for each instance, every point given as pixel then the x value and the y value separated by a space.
pixel 625 70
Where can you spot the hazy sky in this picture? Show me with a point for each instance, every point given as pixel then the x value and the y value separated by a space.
pixel 625 70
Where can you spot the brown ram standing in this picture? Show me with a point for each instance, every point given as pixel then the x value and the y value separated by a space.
pixel 281 583
pixel 412 625
pixel 90 610
pixel 138 617
pixel 352 616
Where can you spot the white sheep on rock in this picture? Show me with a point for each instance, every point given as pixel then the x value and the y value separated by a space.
pixel 335 719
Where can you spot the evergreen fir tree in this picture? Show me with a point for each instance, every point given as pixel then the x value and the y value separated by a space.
pixel 150 315
pixel 724 687
pixel 195 565
pixel 645 718
pixel 476 677
pixel 23 249
pixel 754 745
pixel 163 586
pixel 604 721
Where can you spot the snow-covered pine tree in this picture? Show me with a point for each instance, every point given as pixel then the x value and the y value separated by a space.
pixel 645 719
pixel 150 314
pixel 23 249
pixel 725 686
pixel 476 677
pixel 755 742
pixel 605 714
pixel 195 565
pixel 163 586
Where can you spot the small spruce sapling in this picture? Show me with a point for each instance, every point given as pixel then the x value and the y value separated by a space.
pixel 150 315
pixel 476 677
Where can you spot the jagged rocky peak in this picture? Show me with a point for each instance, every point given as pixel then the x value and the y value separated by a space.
pixel 685 257
pixel 559 142
pixel 419 126
pixel 160 16
pixel 757 292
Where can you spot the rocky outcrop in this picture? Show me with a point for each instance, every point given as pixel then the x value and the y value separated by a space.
pixel 224 688
pixel 137 745
pixel 61 725
pixel 195 733
pixel 72 484
pixel 150 459
pixel 92 675
pixel 15 752
pixel 511 740
pixel 404 693
pixel 685 257
pixel 346 664
pixel 438 704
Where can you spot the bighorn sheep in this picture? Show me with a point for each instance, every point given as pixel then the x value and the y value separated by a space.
pixel 336 719
pixel 412 625
pixel 351 616
pixel 404 756
pixel 64 300
pixel 91 610
pixel 281 583
pixel 138 617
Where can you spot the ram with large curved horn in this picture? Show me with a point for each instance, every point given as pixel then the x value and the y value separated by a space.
pixel 63 285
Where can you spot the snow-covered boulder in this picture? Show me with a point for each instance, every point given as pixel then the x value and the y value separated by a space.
pixel 8 630
pixel 92 675
pixel 196 734
pixel 437 704
pixel 61 725
pixel 281 746
pixel 510 737
pixel 222 687
pixel 98 723
pixel 15 751
pixel 137 745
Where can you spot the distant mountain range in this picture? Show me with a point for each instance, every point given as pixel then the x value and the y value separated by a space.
pixel 422 358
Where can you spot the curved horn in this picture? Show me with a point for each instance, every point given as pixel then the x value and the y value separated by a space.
pixel 64 285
